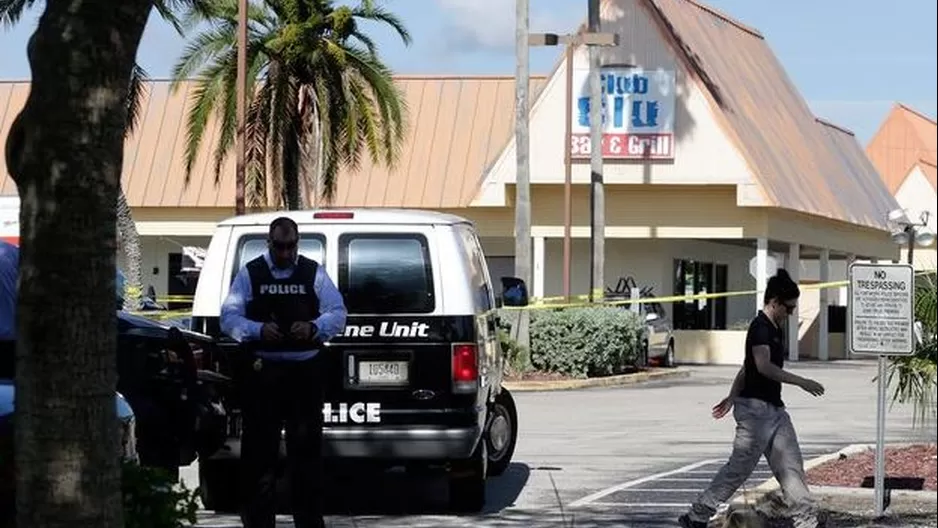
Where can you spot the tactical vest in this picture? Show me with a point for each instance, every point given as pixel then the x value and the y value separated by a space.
pixel 283 301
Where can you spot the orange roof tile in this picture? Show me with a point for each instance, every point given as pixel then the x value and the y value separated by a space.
pixel 458 125
pixel 905 138
pixel 796 162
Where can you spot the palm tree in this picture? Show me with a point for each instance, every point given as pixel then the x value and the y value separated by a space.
pixel 318 94
pixel 916 376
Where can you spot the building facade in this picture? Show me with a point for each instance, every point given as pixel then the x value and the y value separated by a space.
pixel 904 152
pixel 715 171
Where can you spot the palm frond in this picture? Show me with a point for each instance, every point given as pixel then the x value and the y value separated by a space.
pixel 372 13
pixel 11 11
pixel 387 97
pixel 204 48
pixel 135 98
pixel 209 88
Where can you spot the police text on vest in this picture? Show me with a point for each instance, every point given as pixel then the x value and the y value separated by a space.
pixel 356 413
pixel 283 289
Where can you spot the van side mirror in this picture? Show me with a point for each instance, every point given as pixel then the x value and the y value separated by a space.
pixel 651 316
pixel 514 292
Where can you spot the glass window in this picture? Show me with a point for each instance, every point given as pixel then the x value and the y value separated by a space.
pixel 312 246
pixel 386 273
pixel 484 297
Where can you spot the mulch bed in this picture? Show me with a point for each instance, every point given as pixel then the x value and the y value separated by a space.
pixel 536 376
pixel 916 461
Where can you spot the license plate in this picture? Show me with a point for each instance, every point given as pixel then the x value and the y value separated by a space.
pixel 382 372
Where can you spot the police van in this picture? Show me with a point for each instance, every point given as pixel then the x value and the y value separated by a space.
pixel 415 380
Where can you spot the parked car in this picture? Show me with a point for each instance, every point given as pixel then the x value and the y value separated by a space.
pixel 659 335
pixel 128 444
pixel 167 375
pixel 177 404
pixel 658 339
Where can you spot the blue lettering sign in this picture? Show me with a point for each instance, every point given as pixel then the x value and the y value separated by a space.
pixel 651 114
pixel 643 113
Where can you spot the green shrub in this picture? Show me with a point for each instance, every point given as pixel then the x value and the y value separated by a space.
pixel 517 356
pixel 154 499
pixel 587 341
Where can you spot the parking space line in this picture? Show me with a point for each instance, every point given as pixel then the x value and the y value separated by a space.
pixel 589 499
pixel 683 479
pixel 662 505
pixel 663 490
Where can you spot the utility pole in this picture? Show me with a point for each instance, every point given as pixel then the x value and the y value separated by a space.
pixel 522 151
pixel 597 194
pixel 572 42
pixel 241 104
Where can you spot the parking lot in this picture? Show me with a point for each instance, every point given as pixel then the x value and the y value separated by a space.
pixel 631 456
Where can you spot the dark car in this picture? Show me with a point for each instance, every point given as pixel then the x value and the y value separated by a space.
pixel 177 410
pixel 167 375
pixel 125 416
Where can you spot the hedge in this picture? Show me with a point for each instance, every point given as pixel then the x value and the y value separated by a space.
pixel 587 341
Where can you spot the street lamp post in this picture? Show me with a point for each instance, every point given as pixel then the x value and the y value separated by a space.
pixel 570 42
pixel 909 234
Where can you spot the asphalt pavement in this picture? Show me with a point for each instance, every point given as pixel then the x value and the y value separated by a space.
pixel 630 456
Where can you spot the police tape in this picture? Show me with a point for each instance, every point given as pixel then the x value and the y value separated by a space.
pixel 551 303
pixel 579 301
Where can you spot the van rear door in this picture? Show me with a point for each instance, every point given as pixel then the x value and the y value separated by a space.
pixel 401 360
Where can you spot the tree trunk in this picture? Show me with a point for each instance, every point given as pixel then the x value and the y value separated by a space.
pixel 130 245
pixel 65 152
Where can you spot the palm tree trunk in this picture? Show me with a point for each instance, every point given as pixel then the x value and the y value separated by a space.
pixel 65 153
pixel 130 243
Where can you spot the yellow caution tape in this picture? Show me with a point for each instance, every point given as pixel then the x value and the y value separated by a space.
pixel 551 303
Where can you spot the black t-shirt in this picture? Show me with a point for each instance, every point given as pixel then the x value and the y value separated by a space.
pixel 762 331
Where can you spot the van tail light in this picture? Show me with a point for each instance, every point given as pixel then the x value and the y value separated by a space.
pixel 465 367
pixel 333 215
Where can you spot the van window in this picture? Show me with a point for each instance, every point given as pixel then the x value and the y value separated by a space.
pixel 386 273
pixel 312 246
pixel 484 297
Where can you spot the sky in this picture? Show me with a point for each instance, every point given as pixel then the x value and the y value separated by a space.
pixel 851 59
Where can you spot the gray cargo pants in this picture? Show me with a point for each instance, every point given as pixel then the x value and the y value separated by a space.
pixel 761 429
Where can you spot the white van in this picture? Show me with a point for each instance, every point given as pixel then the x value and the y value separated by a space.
pixel 416 378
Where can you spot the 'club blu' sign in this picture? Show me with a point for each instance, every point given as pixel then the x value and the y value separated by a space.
pixel 637 114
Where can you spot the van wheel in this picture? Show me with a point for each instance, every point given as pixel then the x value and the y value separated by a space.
pixel 467 482
pixel 501 435
pixel 218 485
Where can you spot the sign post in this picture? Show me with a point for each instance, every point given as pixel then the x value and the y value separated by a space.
pixel 882 317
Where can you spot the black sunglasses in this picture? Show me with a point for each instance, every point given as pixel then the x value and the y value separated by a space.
pixel 283 246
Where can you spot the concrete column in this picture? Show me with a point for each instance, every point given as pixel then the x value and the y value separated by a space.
pixel 538 267
pixel 824 275
pixel 762 277
pixel 794 269
pixel 845 301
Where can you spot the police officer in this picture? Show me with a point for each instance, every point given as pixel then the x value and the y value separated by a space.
pixel 281 308
pixel 9 272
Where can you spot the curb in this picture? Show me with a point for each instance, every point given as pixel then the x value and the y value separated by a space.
pixel 606 381
pixel 763 491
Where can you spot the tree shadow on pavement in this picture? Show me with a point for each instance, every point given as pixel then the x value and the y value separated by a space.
pixel 393 493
